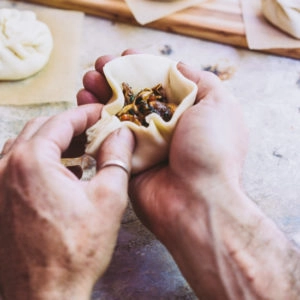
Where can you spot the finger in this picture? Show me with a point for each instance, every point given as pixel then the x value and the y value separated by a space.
pixel 95 83
pixel 60 129
pixel 207 82
pixel 102 61
pixel 86 97
pixel 30 128
pixel 114 179
pixel 96 87
pixel 118 146
pixel 7 146
pixel 130 52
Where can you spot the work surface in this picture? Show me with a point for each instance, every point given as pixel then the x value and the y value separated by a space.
pixel 268 88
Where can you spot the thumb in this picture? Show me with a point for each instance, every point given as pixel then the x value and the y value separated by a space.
pixel 114 165
pixel 207 82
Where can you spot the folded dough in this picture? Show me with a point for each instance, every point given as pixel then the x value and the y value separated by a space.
pixel 143 71
pixel 25 44
pixel 284 14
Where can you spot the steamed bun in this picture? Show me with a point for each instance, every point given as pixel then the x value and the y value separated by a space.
pixel 284 14
pixel 142 71
pixel 25 44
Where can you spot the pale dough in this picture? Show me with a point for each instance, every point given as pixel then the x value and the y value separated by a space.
pixel 25 44
pixel 146 11
pixel 284 14
pixel 143 71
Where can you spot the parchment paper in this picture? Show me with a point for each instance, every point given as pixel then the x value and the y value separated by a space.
pixel 260 33
pixel 56 82
pixel 146 11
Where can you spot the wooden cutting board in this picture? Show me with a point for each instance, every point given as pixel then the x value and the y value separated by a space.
pixel 215 20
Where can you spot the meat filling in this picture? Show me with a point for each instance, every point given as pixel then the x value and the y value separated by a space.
pixel 147 101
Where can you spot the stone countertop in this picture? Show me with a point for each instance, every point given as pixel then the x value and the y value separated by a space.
pixel 268 88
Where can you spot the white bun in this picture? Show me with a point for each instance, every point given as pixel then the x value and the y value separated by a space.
pixel 25 46
pixel 284 14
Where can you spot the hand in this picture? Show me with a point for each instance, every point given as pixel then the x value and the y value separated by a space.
pixel 208 147
pixel 57 233
pixel 223 244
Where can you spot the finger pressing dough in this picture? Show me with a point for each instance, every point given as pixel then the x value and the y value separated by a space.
pixel 284 14
pixel 142 71
pixel 25 44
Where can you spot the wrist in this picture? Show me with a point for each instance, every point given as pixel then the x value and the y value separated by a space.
pixel 201 196
pixel 203 202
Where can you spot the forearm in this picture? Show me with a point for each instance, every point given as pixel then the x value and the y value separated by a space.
pixel 45 285
pixel 227 249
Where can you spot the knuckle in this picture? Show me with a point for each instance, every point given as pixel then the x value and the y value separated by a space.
pixel 18 155
pixel 7 145
pixel 22 156
pixel 36 121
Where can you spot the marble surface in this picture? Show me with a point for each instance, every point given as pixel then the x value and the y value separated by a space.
pixel 268 88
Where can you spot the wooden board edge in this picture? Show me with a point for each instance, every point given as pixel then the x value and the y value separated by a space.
pixel 121 13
